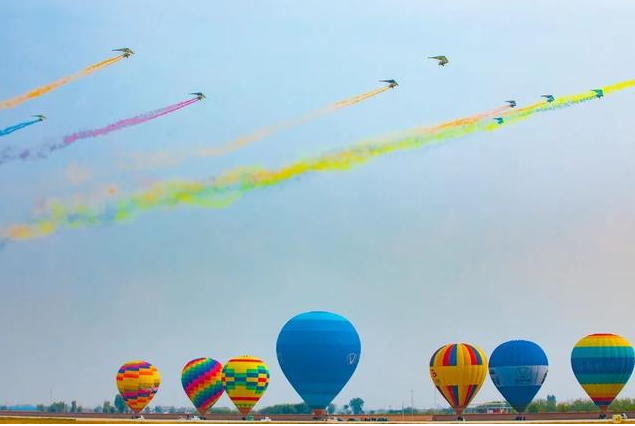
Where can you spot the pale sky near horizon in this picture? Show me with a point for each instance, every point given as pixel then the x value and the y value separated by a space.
pixel 522 233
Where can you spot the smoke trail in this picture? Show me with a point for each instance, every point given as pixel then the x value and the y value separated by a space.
pixel 39 91
pixel 230 186
pixel 43 151
pixel 11 129
pixel 267 131
pixel 133 121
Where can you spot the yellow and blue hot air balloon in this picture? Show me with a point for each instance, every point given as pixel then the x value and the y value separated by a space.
pixel 245 379
pixel 137 382
pixel 318 353
pixel 602 363
pixel 458 371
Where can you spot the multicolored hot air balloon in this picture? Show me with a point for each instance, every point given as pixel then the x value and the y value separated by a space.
pixel 202 381
pixel 137 382
pixel 518 369
pixel 602 363
pixel 458 371
pixel 318 353
pixel 245 379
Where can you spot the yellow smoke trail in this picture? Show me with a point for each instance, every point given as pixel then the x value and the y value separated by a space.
pixel 267 131
pixel 618 86
pixel 39 91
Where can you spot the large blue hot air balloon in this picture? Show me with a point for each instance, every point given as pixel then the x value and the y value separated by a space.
pixel 518 368
pixel 318 353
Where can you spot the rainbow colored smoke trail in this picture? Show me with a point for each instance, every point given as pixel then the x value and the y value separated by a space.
pixel 228 187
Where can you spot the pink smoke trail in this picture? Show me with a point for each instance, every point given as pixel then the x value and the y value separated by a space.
pixel 12 153
pixel 133 121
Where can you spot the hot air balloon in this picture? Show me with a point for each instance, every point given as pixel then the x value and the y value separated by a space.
pixel 458 371
pixel 202 381
pixel 137 382
pixel 318 353
pixel 602 363
pixel 245 379
pixel 518 369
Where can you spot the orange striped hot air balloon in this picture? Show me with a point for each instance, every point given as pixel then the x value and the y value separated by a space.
pixel 458 371
pixel 245 379
pixel 137 382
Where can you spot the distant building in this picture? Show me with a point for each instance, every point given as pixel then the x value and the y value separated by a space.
pixel 493 407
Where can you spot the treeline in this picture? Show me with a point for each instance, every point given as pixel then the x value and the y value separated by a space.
pixel 550 405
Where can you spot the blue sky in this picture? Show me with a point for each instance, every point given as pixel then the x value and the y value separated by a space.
pixel 522 233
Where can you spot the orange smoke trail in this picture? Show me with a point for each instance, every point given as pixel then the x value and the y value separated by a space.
pixel 39 91
pixel 267 131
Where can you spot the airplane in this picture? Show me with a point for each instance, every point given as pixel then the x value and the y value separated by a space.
pixel 499 120
pixel 511 103
pixel 549 98
pixel 391 83
pixel 126 51
pixel 598 92
pixel 40 117
pixel 198 95
pixel 442 59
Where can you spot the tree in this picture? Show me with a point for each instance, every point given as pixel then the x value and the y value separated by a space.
pixel 73 406
pixel 357 405
pixel 331 408
pixel 120 404
pixel 57 407
pixel 107 407
pixel 158 409
pixel 41 407
pixel 300 408
pixel 551 403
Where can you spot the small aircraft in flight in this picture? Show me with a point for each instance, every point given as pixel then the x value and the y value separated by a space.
pixel 442 60
pixel 499 120
pixel 40 117
pixel 200 96
pixel 549 98
pixel 391 83
pixel 598 92
pixel 126 51
pixel 511 103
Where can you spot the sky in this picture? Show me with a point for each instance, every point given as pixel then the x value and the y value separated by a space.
pixel 521 233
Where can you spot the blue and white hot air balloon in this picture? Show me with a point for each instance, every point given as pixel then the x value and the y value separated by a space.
pixel 318 353
pixel 518 369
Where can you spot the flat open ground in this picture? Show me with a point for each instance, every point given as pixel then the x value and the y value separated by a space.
pixel 14 417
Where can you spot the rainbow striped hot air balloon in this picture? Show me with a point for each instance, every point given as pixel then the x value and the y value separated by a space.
pixel 602 363
pixel 202 381
pixel 245 379
pixel 458 371
pixel 137 382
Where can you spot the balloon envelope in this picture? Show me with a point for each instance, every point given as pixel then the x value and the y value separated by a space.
pixel 245 379
pixel 202 381
pixel 318 353
pixel 518 369
pixel 602 363
pixel 458 371
pixel 137 382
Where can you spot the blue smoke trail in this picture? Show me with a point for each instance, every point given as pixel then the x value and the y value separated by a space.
pixel 12 129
